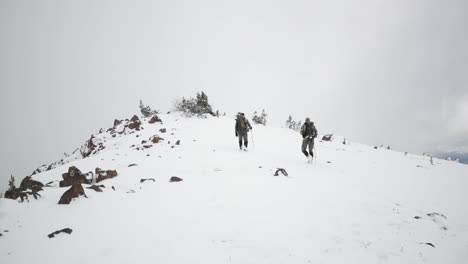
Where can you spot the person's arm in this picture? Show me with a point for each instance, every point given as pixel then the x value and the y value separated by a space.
pixel 236 128
pixel 315 132
pixel 248 123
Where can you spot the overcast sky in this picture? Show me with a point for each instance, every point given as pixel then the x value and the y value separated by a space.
pixel 378 72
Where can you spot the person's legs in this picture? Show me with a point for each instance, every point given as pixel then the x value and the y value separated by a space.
pixel 240 140
pixel 304 147
pixel 246 140
pixel 311 147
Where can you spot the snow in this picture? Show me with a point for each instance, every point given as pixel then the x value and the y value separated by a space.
pixel 354 204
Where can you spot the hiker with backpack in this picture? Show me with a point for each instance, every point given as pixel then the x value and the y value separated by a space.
pixel 309 133
pixel 242 128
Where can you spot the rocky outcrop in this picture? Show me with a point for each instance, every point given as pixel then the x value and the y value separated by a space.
pixel 328 137
pixel 74 175
pixel 155 119
pixel 27 187
pixel 105 174
pixel 91 147
pixel 65 230
pixel 29 184
pixel 117 122
pixel 150 179
pixel 155 139
pixel 134 123
pixel 75 191
pixel 175 179
pixel 283 171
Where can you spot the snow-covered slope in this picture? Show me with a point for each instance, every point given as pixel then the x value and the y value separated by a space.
pixel 356 204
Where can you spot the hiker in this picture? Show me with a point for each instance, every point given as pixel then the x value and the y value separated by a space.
pixel 308 132
pixel 242 127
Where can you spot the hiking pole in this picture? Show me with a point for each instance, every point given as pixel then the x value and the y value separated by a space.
pixel 251 136
pixel 315 154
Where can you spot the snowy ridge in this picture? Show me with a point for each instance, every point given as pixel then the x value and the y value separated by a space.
pixel 355 204
pixel 98 142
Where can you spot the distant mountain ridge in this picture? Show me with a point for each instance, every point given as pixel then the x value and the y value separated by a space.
pixel 453 155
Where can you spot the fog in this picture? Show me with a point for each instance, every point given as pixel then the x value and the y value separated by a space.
pixel 377 72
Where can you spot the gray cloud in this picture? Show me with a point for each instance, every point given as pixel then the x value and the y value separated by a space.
pixel 378 72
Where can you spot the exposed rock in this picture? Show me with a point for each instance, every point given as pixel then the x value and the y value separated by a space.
pixel 134 123
pixel 175 179
pixel 147 146
pixel 105 174
pixel 162 130
pixel 430 244
pixel 417 217
pixel 155 139
pixel 74 175
pixel 178 142
pixel 134 118
pixel 328 137
pixel 75 191
pixel 150 179
pixel 65 230
pixel 117 122
pixel 17 193
pixel 27 187
pixel 132 165
pixel 283 171
pixel 97 188
pixel 155 119
pixel 91 147
pixel 29 183
pixel 436 214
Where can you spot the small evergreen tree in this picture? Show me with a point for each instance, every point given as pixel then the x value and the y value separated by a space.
pixel 146 110
pixel 292 124
pixel 198 105
pixel 11 183
pixel 260 119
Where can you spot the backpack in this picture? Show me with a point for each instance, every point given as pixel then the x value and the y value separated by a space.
pixel 308 130
pixel 241 121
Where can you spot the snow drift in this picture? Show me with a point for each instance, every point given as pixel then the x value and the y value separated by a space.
pixel 184 193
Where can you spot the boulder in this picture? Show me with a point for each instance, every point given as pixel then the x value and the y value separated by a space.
pixel 328 137
pixel 74 175
pixel 155 139
pixel 105 174
pixel 150 179
pixel 175 179
pixel 283 171
pixel 75 191
pixel 65 230
pixel 29 183
pixel 117 122
pixel 27 187
pixel 155 119
pixel 134 123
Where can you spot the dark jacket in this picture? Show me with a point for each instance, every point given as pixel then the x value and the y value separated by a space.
pixel 242 125
pixel 308 130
